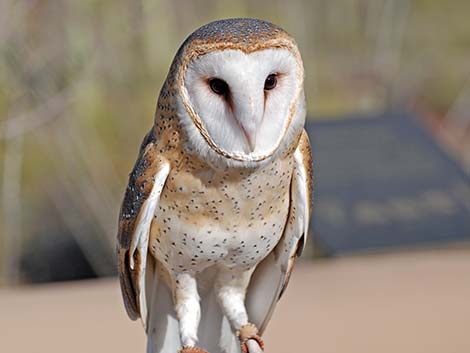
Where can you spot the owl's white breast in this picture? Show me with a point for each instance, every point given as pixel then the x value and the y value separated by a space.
pixel 210 218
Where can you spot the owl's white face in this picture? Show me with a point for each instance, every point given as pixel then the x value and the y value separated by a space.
pixel 244 101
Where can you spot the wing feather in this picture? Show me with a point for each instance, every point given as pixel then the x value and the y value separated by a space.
pixel 272 275
pixel 143 191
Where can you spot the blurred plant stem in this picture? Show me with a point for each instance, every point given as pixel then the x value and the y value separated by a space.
pixel 11 208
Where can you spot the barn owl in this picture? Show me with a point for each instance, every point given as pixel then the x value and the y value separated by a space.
pixel 218 203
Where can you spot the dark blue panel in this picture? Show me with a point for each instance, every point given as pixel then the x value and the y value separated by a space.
pixel 384 182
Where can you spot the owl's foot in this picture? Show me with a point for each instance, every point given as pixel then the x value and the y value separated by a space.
pixel 188 349
pixel 245 334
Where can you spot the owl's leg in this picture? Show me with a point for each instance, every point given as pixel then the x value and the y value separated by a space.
pixel 231 286
pixel 188 311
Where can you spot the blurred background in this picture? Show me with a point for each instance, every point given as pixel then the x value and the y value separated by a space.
pixel 388 97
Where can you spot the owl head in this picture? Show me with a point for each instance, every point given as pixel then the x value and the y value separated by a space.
pixel 239 85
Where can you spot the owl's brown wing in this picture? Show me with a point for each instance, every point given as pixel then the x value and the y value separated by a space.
pixel 272 275
pixel 143 191
pixel 300 206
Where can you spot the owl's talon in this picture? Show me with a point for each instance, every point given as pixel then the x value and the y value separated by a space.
pixel 192 349
pixel 249 332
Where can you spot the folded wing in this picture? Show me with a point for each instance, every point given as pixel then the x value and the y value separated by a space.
pixel 272 275
pixel 142 195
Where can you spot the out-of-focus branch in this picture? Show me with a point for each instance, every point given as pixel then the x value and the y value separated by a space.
pixel 45 113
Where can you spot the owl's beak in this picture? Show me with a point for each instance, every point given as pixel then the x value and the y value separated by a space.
pixel 250 135
pixel 249 113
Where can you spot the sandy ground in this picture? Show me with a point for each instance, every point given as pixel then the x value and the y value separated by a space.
pixel 405 302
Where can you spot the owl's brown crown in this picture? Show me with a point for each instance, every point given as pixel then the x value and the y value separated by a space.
pixel 243 32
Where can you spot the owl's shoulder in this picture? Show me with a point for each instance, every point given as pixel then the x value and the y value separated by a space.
pixel 138 188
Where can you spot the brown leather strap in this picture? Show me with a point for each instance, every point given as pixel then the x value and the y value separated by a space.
pixel 249 332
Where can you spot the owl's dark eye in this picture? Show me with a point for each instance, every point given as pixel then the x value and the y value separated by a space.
pixel 218 86
pixel 271 82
